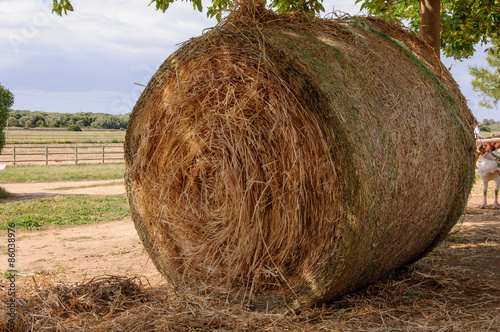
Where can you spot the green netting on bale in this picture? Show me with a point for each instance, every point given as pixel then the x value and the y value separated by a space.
pixel 286 160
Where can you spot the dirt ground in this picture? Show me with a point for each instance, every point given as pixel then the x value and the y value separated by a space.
pixel 75 254
pixel 468 263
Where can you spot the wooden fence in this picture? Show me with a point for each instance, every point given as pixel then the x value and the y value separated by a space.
pixel 61 154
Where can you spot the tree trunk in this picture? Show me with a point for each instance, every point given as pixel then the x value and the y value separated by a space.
pixel 430 23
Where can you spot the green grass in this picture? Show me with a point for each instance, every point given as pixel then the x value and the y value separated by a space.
pixel 53 173
pixel 63 210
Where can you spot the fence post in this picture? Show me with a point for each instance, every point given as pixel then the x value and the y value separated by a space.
pixel 103 154
pixel 76 154
pixel 14 154
pixel 46 155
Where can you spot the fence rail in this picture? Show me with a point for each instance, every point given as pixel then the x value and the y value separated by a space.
pixel 65 154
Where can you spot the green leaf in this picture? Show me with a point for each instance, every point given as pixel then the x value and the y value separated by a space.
pixel 199 5
pixel 58 6
pixel 464 23
pixel 487 79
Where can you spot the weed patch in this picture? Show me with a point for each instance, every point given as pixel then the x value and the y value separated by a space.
pixel 3 193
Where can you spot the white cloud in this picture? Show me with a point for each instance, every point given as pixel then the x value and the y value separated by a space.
pixel 74 101
pixel 111 28
pixel 99 47
pixel 90 59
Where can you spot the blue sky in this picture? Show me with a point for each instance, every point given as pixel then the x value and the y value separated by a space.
pixel 89 60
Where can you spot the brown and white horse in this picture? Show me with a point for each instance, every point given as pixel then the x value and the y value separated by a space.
pixel 489 171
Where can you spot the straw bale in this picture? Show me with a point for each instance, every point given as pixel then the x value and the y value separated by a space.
pixel 285 160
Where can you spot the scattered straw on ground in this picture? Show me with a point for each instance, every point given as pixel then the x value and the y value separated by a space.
pixel 455 288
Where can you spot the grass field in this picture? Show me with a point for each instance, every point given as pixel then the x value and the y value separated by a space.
pixel 35 136
pixel 54 173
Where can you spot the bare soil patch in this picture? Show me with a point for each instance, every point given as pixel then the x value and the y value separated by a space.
pixel 481 218
pixel 98 278
pixel 75 254
pixel 22 191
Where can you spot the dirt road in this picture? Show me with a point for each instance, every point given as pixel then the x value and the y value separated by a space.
pixel 21 191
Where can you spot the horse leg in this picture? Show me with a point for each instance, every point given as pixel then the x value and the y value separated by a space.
pixel 485 191
pixel 497 186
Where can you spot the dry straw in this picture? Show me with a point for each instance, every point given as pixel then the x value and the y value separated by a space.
pixel 449 290
pixel 285 160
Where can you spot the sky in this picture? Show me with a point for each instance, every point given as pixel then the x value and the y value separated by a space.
pixel 93 59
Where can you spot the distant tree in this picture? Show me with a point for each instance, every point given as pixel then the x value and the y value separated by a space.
pixel 487 122
pixel 493 125
pixel 41 124
pixel 54 120
pixel 486 128
pixel 74 128
pixel 6 102
pixel 124 120
pixel 486 81
pixel 29 119
pixel 33 120
pixel 15 116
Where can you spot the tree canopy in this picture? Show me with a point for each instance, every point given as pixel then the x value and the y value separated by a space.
pixel 487 80
pixel 464 23
pixel 6 102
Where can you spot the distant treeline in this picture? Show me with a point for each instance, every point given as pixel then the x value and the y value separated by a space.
pixel 28 119
pixel 490 125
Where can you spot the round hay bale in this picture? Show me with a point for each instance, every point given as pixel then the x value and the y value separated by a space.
pixel 288 160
